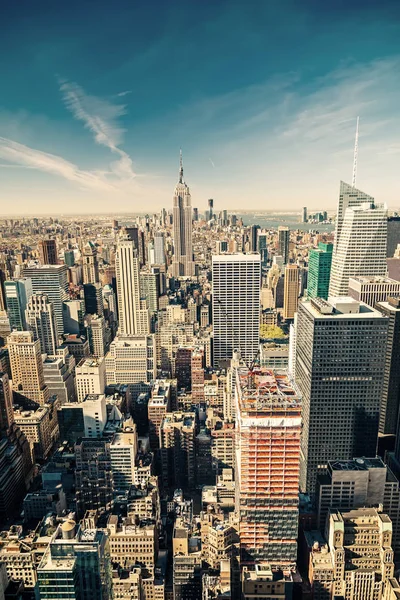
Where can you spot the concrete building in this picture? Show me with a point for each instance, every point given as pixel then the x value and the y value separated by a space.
pixel 132 360
pixel 58 377
pixel 265 584
pixel 51 280
pixel 236 305
pixel 390 401
pixel 73 315
pixel 291 293
pixel 159 248
pixel 132 543
pixel 40 427
pixel 268 418
pixel 123 451
pixel 361 247
pixel 90 377
pixel 98 336
pixel 340 377
pixel 393 235
pixel 182 265
pixel 158 406
pixel 27 366
pixel 90 266
pixel 373 289
pixel 177 450
pixel 93 475
pixel 40 319
pixel 133 315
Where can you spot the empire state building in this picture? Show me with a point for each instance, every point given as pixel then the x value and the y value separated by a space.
pixel 182 265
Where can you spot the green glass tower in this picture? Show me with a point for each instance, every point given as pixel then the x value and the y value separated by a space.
pixel 319 271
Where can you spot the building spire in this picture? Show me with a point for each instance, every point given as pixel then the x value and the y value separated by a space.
pixel 180 166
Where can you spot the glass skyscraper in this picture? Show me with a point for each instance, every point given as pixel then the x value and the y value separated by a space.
pixel 319 271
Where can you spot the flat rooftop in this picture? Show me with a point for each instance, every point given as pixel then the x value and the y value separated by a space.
pixel 357 464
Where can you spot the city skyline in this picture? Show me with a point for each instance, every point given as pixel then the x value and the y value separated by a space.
pixel 267 112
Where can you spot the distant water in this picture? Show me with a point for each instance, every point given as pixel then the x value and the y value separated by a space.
pixel 291 220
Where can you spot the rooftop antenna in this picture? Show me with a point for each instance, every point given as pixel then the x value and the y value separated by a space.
pixel 180 166
pixel 353 183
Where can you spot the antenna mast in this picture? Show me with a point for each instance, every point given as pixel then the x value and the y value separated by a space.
pixel 355 156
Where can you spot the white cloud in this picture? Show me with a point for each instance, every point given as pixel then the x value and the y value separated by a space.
pixel 24 156
pixel 101 118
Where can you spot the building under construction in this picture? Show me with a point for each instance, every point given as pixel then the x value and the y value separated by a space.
pixel 268 421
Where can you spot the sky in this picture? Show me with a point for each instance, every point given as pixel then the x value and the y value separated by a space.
pixel 97 97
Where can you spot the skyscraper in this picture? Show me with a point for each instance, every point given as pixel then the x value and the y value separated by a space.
pixel 319 271
pixel 340 359
pixel 253 238
pixel 291 293
pixel 361 246
pixel 27 366
pixel 47 252
pixel 51 280
pixel 90 264
pixel 236 305
pixel 40 319
pixel 268 421
pixel 182 265
pixel 393 235
pixel 262 248
pixel 283 243
pixel 304 214
pixel 349 197
pixel 133 315
pixel 159 248
pixel 17 293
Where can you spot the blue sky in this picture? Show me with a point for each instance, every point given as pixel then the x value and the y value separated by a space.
pixel 97 97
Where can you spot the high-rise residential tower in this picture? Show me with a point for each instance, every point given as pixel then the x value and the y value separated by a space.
pixel 90 264
pixel 236 305
pixel 133 314
pixel 360 248
pixel 268 428
pixel 283 243
pixel 40 319
pixel 340 364
pixel 47 252
pixel 291 293
pixel 27 366
pixel 182 265
pixel 51 280
pixel 319 271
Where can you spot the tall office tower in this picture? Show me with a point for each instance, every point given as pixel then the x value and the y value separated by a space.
pixel 197 375
pixel 340 377
pixel 210 208
pixel 158 406
pixel 40 319
pixel 93 294
pixel 6 405
pixel 150 290
pixel 182 264
pixel 51 280
pixel 18 293
pixel 393 235
pixel 59 378
pixel 283 243
pixel 132 360
pixel 93 475
pixel 262 248
pixel 2 291
pixel 123 451
pixel 254 238
pixel 133 317
pixel 90 264
pixel 98 336
pixel 373 289
pixel 390 402
pixel 47 252
pixel 76 564
pixel 304 215
pixel 73 316
pixel 291 293
pixel 159 248
pixel 27 366
pixel 225 218
pixel 319 271
pixel 361 247
pixel 349 197
pixel 90 377
pixel 195 214
pixel 69 258
pixel 236 305
pixel 268 420
pixel 177 450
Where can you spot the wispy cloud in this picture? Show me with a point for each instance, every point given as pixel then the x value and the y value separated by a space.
pixel 101 118
pixel 24 156
pixel 212 163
